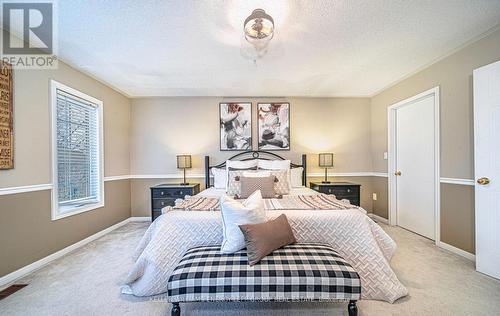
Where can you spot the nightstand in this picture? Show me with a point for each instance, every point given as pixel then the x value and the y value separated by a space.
pixel 163 195
pixel 341 190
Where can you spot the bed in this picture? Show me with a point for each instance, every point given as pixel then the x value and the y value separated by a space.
pixel 346 228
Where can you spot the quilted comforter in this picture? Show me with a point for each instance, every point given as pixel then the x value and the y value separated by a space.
pixel 355 236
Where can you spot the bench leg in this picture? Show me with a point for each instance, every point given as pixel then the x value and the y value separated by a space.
pixel 176 309
pixel 352 309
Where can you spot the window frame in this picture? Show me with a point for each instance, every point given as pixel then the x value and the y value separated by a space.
pixel 56 212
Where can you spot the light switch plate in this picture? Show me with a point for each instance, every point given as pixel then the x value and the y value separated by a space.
pixel 386 156
pixel 374 196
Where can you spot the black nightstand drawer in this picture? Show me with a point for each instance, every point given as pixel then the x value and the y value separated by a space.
pixel 174 193
pixel 161 203
pixel 338 190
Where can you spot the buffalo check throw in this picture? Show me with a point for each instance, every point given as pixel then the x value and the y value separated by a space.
pixel 298 272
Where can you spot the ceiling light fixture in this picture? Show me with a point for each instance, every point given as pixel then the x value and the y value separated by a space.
pixel 258 27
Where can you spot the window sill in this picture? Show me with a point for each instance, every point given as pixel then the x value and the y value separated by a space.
pixel 57 214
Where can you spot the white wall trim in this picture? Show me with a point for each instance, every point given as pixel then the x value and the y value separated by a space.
pixel 341 174
pixel 392 164
pixel 197 176
pixel 456 250
pixel 140 219
pixel 166 176
pixel 13 276
pixel 378 218
pixel 458 181
pixel 114 178
pixel 48 186
pixel 26 188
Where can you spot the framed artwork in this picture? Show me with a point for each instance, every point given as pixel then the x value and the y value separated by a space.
pixel 235 126
pixel 273 126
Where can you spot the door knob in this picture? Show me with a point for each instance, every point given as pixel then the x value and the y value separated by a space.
pixel 483 181
pixel 397 173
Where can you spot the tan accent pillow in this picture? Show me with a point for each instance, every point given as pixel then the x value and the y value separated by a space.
pixel 251 184
pixel 263 239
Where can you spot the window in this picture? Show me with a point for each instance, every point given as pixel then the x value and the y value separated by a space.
pixel 77 155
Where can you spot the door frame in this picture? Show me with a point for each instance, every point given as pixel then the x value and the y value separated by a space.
pixel 391 119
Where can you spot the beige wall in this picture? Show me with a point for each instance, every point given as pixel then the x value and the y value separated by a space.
pixel 27 232
pixel 454 77
pixel 164 127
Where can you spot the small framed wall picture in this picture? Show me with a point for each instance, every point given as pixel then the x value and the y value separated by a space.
pixel 273 126
pixel 235 126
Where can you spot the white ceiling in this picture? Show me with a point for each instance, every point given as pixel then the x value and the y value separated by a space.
pixel 320 47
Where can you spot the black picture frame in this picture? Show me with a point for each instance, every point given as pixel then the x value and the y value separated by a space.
pixel 264 144
pixel 248 132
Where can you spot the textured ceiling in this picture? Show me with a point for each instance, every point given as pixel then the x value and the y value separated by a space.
pixel 320 47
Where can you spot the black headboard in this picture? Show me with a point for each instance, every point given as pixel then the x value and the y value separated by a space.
pixel 250 155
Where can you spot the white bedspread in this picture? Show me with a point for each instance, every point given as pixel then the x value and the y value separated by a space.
pixel 356 237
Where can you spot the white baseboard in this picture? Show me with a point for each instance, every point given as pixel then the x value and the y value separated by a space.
pixel 378 218
pixel 456 250
pixel 141 219
pixel 13 276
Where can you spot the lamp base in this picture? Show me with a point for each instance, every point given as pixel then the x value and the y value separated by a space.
pixel 187 183
pixel 326 182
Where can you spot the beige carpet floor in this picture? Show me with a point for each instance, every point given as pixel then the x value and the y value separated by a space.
pixel 87 282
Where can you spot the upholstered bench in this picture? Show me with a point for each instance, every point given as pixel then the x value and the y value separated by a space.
pixel 299 272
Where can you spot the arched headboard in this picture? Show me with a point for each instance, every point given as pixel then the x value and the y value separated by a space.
pixel 250 155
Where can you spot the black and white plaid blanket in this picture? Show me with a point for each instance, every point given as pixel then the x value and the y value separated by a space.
pixel 311 272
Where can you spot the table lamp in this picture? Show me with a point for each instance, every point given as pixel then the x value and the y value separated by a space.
pixel 326 161
pixel 184 162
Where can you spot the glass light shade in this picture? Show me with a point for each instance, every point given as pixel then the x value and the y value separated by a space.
pixel 183 161
pixel 326 160
pixel 258 26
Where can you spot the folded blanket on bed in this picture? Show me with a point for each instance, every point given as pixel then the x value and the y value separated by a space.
pixel 358 239
pixel 287 202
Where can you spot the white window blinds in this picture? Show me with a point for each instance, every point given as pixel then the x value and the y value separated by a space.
pixel 77 140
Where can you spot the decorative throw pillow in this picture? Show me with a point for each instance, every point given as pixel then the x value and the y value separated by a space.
pixel 220 178
pixel 252 184
pixel 281 186
pixel 262 239
pixel 296 177
pixel 234 213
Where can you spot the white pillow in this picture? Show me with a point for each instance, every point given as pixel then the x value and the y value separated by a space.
pixel 256 174
pixel 234 213
pixel 296 177
pixel 237 164
pixel 220 178
pixel 274 164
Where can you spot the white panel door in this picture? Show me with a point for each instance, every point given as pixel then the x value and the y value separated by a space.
pixel 415 161
pixel 487 168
